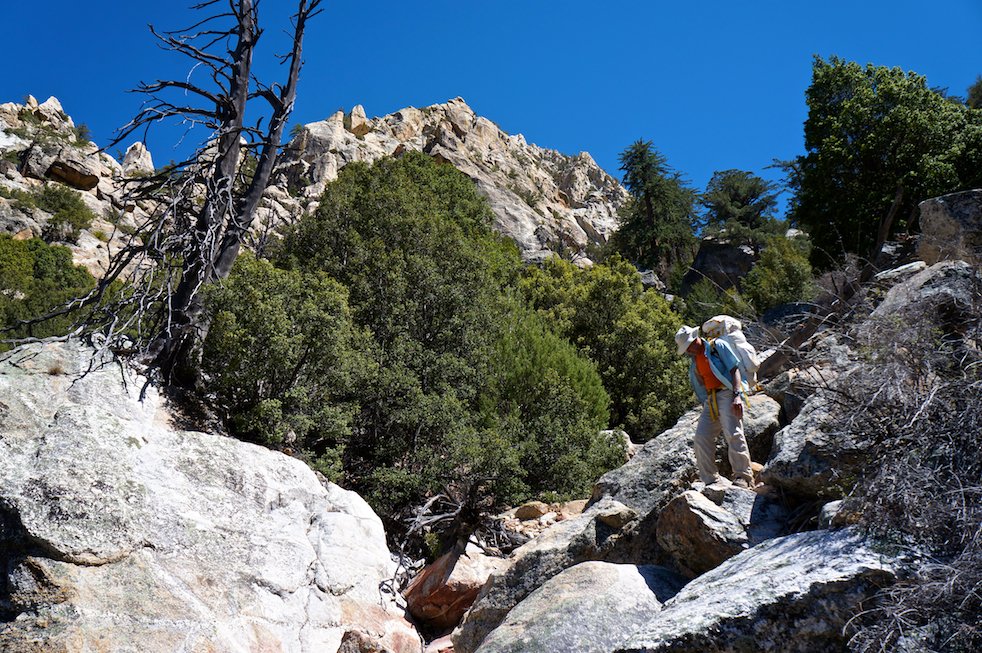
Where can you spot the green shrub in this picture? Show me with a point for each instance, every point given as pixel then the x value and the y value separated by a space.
pixel 451 403
pixel 627 332
pixel 782 275
pixel 283 357
pixel 69 213
pixel 36 278
pixel 558 404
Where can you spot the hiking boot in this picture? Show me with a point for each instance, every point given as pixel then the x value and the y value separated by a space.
pixel 744 483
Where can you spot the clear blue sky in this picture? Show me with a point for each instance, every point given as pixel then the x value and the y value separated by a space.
pixel 714 84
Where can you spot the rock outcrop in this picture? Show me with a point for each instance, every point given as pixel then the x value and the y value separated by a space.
pixel 546 201
pixel 793 594
pixel 40 145
pixel 722 264
pixel 951 228
pixel 120 532
pixel 700 531
pixel 589 608
pixel 443 591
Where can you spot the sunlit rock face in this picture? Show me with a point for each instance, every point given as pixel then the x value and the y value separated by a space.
pixel 121 532
pixel 794 593
pixel 546 201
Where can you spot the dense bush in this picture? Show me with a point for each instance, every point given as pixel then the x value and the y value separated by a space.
pixel 626 331
pixel 553 404
pixel 385 343
pixel 34 279
pixel 411 242
pixel 284 359
pixel 782 275
pixel 69 214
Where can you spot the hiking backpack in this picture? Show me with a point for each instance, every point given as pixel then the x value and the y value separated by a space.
pixel 730 330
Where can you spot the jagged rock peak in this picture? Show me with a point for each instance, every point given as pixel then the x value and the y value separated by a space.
pixel 546 201
pixel 137 160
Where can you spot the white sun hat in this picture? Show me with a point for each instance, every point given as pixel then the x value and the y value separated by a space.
pixel 685 336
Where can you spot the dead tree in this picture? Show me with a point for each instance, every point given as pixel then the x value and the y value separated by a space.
pixel 202 208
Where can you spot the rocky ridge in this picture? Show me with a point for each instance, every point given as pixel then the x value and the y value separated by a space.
pixel 545 201
pixel 41 145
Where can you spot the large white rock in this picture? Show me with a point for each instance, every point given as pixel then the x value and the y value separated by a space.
pixel 589 536
pixel 121 532
pixel 793 594
pixel 137 160
pixel 590 608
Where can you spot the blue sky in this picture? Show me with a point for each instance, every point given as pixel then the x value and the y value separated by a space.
pixel 713 84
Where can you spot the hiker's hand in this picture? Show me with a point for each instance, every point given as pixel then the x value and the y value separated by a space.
pixel 738 407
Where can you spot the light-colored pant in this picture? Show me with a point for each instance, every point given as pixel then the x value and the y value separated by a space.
pixel 709 428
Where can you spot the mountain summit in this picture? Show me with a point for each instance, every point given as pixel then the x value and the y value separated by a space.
pixel 546 201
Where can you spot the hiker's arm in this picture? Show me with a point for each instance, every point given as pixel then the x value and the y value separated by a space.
pixel 737 395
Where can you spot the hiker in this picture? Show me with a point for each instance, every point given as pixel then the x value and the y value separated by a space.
pixel 715 376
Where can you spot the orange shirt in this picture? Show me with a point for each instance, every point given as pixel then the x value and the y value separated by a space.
pixel 706 374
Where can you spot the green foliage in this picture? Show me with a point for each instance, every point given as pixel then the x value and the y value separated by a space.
pixel 878 142
pixel 464 392
pixel 69 213
pixel 34 279
pixel 283 357
pixel 544 389
pixel 740 208
pixel 22 199
pixel 782 275
pixel 626 331
pixel 706 299
pixel 974 97
pixel 658 222
pixel 83 135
